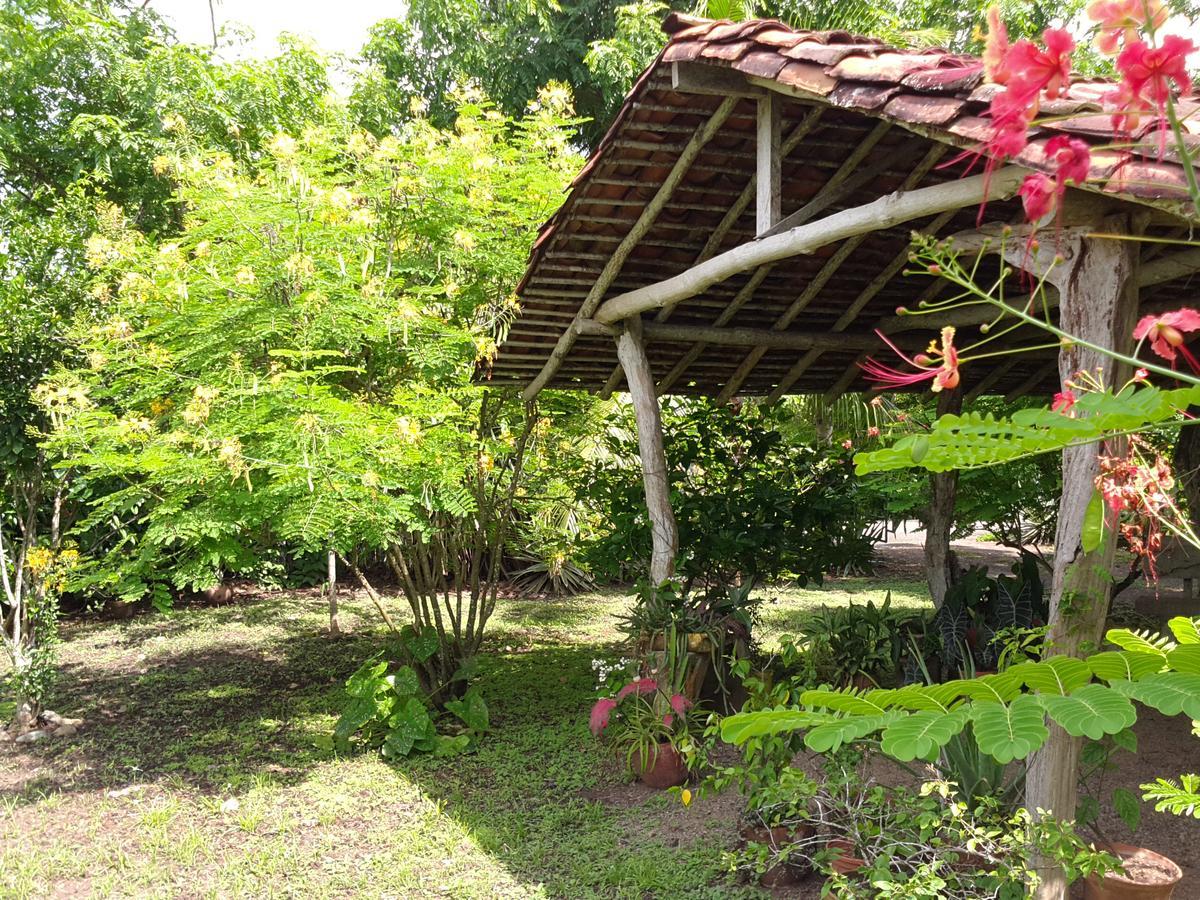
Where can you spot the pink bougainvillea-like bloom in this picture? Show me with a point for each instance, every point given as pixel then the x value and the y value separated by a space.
pixel 1147 74
pixel 1121 20
pixel 1165 333
pixel 1039 196
pixel 1033 69
pixel 638 686
pixel 938 363
pixel 1064 401
pixel 680 703
pixel 600 714
pixel 873 431
pixel 995 48
pixel 1071 158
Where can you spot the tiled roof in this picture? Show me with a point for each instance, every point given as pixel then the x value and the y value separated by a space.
pixel 931 98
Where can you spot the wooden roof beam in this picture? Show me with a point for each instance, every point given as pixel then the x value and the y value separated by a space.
pixel 884 212
pixel 645 221
pixel 734 337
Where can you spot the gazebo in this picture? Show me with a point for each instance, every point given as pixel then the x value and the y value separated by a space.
pixel 743 229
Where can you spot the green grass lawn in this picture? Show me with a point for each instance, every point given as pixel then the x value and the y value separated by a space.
pixel 196 774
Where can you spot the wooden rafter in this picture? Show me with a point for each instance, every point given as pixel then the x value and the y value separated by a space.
pixel 687 156
pixel 814 287
pixel 885 212
pixel 733 337
pixel 803 128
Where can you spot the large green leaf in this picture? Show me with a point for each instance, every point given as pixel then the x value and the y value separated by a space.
pixel 405 682
pixel 1010 731
pixel 1056 675
pixel 927 696
pixel 739 728
pixel 408 724
pixel 869 703
pixel 1140 642
pixel 1093 710
pixel 357 713
pixel 1169 692
pixel 832 735
pixel 420 644
pixel 922 734
pixel 1123 665
pixel 1186 631
pixel 366 679
pixel 972 440
pixel 1185 658
pixel 990 688
pixel 471 709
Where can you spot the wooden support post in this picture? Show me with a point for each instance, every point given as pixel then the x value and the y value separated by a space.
pixel 768 167
pixel 943 486
pixel 664 534
pixel 1098 290
pixel 646 220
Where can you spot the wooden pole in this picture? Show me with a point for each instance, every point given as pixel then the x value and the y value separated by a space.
pixel 943 486
pixel 1098 291
pixel 334 628
pixel 885 212
pixel 664 534
pixel 769 163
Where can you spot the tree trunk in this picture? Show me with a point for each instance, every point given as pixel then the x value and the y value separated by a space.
pixel 663 531
pixel 939 559
pixel 1098 291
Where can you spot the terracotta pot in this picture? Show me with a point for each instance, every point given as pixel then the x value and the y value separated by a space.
pixel 1148 876
pixel 845 863
pixel 666 768
pixel 786 873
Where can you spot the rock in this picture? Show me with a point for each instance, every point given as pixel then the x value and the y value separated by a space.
pixel 66 730
pixel 125 791
pixel 32 737
pixel 231 805
pixel 69 721
pixel 50 717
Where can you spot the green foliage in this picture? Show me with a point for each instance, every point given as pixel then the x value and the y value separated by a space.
pixel 856 642
pixel 387 711
pixel 1180 798
pixel 975 440
pixel 749 503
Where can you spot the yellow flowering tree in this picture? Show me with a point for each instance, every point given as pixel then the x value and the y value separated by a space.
pixel 293 368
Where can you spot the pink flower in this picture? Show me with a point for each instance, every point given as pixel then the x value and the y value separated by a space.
pixel 1147 75
pixel 1120 21
pixel 995 48
pixel 1063 402
pixel 1072 158
pixel 847 444
pixel 944 375
pixel 1141 375
pixel 873 431
pixel 668 719
pixel 1166 332
pixel 600 714
pixel 1039 196
pixel 680 703
pixel 1033 69
pixel 638 686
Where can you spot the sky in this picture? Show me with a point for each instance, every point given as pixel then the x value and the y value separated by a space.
pixel 339 26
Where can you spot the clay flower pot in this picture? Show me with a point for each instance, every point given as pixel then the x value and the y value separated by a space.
pixel 1148 876
pixel 664 769
pixel 846 863
pixel 785 873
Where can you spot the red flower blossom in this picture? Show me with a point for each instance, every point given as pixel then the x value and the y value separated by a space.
pixel 1033 69
pixel 1072 158
pixel 600 714
pixel 944 374
pixel 1147 76
pixel 1166 333
pixel 638 686
pixel 1064 401
pixel 1121 20
pixel 1039 196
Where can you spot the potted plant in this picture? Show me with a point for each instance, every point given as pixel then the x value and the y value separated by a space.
pixel 1144 875
pixel 777 830
pixel 649 723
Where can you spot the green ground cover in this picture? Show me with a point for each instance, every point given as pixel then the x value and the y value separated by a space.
pixel 196 771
